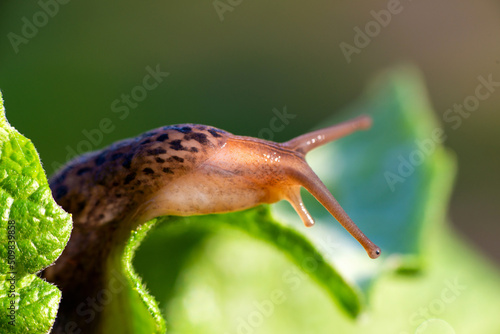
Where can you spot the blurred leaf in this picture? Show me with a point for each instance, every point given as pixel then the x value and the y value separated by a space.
pixel 34 231
pixel 256 223
pixel 384 176
pixel 393 180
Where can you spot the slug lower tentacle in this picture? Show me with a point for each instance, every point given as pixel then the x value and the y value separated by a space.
pixel 181 170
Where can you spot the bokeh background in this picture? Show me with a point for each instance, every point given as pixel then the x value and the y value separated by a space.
pixel 231 68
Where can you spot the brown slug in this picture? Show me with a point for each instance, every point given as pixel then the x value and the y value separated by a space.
pixel 182 170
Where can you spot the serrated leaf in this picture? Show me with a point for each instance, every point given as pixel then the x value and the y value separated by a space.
pixel 35 305
pixel 33 231
pixel 131 308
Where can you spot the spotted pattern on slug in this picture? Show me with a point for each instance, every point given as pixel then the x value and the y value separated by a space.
pixel 134 167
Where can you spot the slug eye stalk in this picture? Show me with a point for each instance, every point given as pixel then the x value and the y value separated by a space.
pixel 304 176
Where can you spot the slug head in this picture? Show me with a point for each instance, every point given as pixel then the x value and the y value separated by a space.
pixel 299 174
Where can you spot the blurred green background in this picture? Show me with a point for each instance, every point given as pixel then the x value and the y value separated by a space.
pixel 232 73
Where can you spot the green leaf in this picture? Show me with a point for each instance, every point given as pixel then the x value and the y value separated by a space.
pixel 33 233
pixel 131 309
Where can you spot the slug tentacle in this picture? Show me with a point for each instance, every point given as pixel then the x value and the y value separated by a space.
pixel 293 196
pixel 309 180
pixel 311 140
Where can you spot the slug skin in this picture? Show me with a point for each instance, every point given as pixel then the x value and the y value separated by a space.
pixel 183 170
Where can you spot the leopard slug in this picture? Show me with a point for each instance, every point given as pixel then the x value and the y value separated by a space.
pixel 182 170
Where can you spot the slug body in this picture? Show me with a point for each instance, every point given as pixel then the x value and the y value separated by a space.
pixel 182 170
